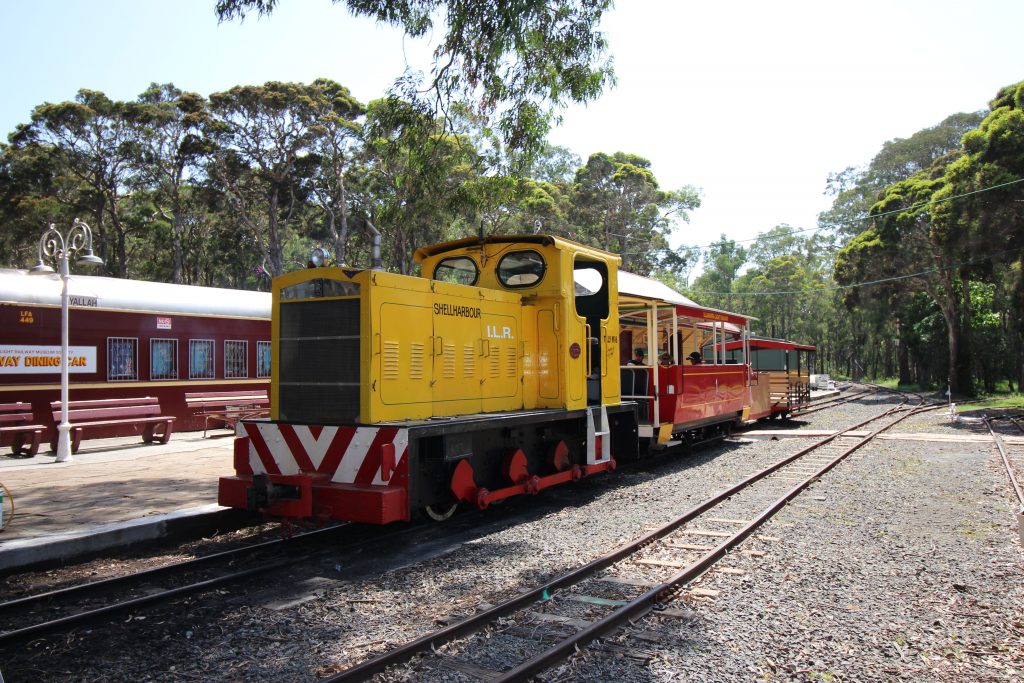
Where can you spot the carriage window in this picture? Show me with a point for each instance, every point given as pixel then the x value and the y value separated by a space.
pixel 163 359
pixel 262 359
pixel 122 359
pixel 200 359
pixel 236 359
pixel 461 270
pixel 521 269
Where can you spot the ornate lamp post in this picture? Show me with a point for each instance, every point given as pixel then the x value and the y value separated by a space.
pixel 61 248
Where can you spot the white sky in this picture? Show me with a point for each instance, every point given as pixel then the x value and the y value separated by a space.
pixel 753 102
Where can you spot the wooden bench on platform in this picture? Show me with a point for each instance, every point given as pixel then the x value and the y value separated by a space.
pixel 15 419
pixel 228 407
pixel 107 412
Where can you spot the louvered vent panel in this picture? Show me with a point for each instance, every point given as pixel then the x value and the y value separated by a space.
pixel 416 351
pixel 448 362
pixel 390 360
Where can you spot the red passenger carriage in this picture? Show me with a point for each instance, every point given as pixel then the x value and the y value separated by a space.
pixel 129 339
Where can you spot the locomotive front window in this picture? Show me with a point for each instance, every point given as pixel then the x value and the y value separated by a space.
pixel 461 270
pixel 319 288
pixel 521 269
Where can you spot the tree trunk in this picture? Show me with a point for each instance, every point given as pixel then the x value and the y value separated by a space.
pixel 121 247
pixel 965 360
pixel 341 236
pixel 177 267
pixel 273 238
pixel 903 362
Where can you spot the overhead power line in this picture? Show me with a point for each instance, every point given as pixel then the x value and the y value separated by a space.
pixel 867 283
pixel 865 217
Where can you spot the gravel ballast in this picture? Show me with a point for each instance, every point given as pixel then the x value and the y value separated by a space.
pixel 903 563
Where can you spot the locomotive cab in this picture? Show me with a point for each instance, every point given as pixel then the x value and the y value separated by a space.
pixel 569 306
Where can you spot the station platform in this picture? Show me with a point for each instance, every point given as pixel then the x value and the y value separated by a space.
pixel 822 394
pixel 115 493
pixel 118 492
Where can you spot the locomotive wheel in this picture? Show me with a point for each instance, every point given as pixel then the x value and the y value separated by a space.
pixel 440 513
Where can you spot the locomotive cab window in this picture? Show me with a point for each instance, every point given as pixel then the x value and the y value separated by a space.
pixel 521 269
pixel 461 270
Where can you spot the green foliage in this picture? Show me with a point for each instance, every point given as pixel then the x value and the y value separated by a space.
pixel 618 206
pixel 522 61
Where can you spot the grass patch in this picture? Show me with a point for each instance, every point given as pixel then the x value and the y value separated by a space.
pixel 893 383
pixel 996 400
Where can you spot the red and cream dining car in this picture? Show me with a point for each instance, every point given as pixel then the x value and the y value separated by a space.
pixel 127 339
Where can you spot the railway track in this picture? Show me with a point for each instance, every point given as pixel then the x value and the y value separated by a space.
pixel 1014 466
pixel 640 578
pixel 102 600
pixel 835 402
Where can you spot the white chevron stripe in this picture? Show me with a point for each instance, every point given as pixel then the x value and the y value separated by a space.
pixel 354 456
pixel 278 448
pixel 316 449
pixel 244 429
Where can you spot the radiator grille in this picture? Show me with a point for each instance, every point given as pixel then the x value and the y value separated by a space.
pixel 319 361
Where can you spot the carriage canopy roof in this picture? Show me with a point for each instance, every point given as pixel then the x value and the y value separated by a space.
pixel 19 286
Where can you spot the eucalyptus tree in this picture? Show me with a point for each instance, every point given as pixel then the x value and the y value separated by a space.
pixel 263 134
pixel 36 189
pixel 521 61
pixel 413 178
pixel 619 206
pixel 722 263
pixel 335 152
pixel 983 197
pixel 856 189
pixel 88 140
pixel 903 242
pixel 166 127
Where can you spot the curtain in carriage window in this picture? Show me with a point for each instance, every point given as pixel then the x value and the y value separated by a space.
pixel 262 359
pixel 163 359
pixel 122 359
pixel 236 359
pixel 200 359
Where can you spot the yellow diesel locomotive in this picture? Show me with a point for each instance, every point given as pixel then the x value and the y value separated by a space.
pixel 495 374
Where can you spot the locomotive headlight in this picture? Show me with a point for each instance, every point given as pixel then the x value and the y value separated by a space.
pixel 319 257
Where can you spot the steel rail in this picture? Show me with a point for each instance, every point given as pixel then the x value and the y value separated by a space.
pixel 62 623
pixel 31 601
pixel 643 604
pixel 1016 424
pixel 474 623
pixel 832 403
pixel 998 440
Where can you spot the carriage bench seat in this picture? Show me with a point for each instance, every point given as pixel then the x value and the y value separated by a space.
pixel 15 419
pixel 85 415
pixel 227 407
